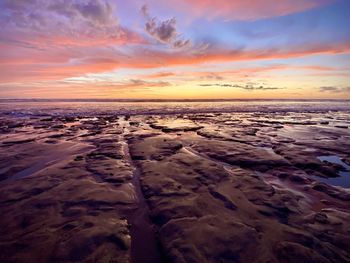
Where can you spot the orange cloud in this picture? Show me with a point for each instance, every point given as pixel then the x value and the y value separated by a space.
pixel 71 89
pixel 240 72
pixel 153 59
pixel 56 63
pixel 159 75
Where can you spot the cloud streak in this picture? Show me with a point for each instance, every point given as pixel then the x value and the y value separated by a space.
pixel 23 64
pixel 334 89
pixel 248 87
pixel 245 10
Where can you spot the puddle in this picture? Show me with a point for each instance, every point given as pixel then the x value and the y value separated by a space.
pixel 344 176
pixel 144 241
pixel 175 125
pixel 58 154
pixel 89 119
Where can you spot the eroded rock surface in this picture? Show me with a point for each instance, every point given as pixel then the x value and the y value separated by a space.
pixel 223 187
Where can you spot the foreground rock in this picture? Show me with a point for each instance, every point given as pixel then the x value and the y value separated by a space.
pixel 233 187
pixel 207 212
pixel 66 202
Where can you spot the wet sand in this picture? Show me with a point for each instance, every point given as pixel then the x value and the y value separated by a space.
pixel 196 187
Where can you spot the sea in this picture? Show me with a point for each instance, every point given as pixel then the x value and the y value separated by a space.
pixel 77 107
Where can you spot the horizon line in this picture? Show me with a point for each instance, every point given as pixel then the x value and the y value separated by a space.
pixel 155 100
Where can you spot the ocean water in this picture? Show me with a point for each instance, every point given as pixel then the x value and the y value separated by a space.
pixel 134 107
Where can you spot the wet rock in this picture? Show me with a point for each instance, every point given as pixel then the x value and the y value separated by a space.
pixel 332 191
pixel 19 141
pixel 209 239
pixel 58 126
pixel 321 218
pixel 287 252
pixel 240 154
pixel 242 189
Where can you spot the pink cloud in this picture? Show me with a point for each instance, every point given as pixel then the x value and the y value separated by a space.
pixel 28 64
pixel 215 75
pixel 245 10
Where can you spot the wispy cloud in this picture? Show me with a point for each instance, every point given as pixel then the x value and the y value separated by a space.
pixel 79 88
pixel 28 64
pixel 164 31
pixel 334 89
pixel 249 86
pixel 56 23
pixel 159 75
pixel 211 76
pixel 245 10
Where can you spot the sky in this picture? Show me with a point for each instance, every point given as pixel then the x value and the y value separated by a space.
pixel 175 49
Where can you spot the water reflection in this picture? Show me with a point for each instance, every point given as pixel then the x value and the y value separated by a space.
pixel 344 176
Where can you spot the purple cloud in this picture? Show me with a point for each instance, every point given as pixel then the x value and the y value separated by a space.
pixel 164 31
pixel 64 21
pixel 97 13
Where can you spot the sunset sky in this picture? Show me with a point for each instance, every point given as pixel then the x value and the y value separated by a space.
pixel 175 49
